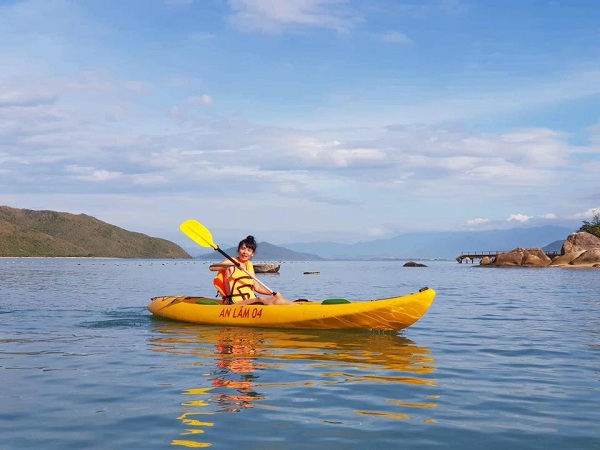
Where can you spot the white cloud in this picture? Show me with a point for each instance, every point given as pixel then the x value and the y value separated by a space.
pixel 288 188
pixel 519 218
pixel 376 232
pixel 202 100
pixel 549 216
pixel 478 221
pixel 184 113
pixel 419 102
pixel 22 93
pixel 395 37
pixel 92 174
pixel 306 150
pixel 589 214
pixel 275 16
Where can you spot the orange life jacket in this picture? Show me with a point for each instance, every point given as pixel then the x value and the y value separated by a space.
pixel 241 286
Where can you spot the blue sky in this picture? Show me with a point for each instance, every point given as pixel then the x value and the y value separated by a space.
pixel 302 120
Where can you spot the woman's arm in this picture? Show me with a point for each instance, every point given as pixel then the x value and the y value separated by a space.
pixel 258 288
pixel 219 266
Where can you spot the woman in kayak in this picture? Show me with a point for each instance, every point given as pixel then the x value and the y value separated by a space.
pixel 236 286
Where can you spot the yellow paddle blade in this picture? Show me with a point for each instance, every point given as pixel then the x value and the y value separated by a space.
pixel 198 233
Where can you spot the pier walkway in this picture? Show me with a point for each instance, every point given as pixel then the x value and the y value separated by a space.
pixel 469 257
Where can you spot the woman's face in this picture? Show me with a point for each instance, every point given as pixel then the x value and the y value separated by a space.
pixel 245 253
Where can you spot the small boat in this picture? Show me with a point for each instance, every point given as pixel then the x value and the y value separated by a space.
pixel 266 268
pixel 387 314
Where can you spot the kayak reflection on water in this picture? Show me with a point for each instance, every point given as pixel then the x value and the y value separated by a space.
pixel 236 366
pixel 247 367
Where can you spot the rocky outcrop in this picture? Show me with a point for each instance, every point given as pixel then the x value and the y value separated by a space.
pixel 580 249
pixel 414 264
pixel 528 257
pixel 563 260
pixel 535 258
pixel 578 241
pixel 588 257
pixel 512 258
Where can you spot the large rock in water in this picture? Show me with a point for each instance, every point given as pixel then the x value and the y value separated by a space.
pixel 579 249
pixel 535 258
pixel 588 257
pixel 512 258
pixel 529 257
pixel 580 240
pixel 563 260
pixel 413 264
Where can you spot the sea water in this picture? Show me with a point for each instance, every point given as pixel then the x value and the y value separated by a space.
pixel 505 358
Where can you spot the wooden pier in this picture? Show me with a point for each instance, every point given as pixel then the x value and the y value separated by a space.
pixel 469 257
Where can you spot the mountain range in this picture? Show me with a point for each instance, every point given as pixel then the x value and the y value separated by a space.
pixel 419 245
pixel 266 252
pixel 26 232
pixel 441 245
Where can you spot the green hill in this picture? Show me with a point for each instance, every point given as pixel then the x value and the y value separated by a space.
pixel 24 232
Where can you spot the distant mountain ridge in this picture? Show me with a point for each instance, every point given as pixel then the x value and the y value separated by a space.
pixel 425 245
pixel 433 245
pixel 28 233
pixel 266 252
pixel 555 246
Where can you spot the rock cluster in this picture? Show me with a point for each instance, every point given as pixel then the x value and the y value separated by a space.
pixel 579 249
pixel 414 264
pixel 580 241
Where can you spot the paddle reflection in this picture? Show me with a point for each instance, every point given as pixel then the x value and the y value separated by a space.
pixel 241 368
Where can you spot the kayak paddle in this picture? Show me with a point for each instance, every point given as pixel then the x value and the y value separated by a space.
pixel 202 236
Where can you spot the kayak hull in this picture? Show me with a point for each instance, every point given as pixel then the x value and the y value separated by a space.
pixel 387 314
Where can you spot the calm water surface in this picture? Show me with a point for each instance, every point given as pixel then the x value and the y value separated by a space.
pixel 505 358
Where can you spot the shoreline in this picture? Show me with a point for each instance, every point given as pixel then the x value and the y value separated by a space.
pixel 577 266
pixel 555 266
pixel 67 257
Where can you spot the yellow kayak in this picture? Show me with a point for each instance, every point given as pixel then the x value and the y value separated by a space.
pixel 389 314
